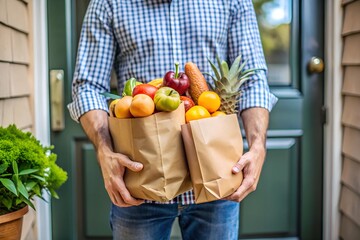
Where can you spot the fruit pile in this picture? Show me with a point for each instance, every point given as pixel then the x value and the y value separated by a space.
pixel 142 100
pixel 191 88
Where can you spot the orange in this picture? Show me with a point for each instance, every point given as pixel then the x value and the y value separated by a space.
pixel 122 107
pixel 142 106
pixel 196 112
pixel 218 113
pixel 209 100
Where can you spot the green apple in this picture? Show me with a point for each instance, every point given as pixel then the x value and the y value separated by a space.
pixel 166 99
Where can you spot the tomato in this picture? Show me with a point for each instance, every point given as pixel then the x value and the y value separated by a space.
pixel 146 89
pixel 188 102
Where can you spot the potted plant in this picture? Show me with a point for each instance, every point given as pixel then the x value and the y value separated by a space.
pixel 26 169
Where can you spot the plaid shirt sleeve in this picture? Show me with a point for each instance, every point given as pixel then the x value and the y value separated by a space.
pixel 94 62
pixel 244 39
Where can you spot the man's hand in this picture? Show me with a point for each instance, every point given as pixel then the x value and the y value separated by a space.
pixel 255 121
pixel 95 125
pixel 113 169
pixel 251 164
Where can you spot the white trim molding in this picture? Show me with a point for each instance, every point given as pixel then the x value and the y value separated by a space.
pixel 333 129
pixel 41 106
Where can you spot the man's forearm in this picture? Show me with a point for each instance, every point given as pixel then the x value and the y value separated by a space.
pixel 95 125
pixel 255 122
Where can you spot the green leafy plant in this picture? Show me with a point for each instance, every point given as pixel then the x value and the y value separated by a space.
pixel 26 169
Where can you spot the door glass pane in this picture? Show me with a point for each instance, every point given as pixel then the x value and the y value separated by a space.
pixel 274 19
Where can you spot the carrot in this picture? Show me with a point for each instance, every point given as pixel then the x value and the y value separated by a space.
pixel 198 83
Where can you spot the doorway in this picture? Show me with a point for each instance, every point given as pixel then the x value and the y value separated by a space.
pixel 288 201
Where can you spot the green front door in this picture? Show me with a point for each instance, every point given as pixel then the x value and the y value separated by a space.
pixel 288 201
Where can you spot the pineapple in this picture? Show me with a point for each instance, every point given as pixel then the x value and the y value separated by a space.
pixel 228 81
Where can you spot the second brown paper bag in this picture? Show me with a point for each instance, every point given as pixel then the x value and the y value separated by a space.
pixel 213 146
pixel 154 141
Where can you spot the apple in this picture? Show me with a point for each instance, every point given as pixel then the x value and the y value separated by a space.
pixel 146 89
pixel 188 102
pixel 177 80
pixel 167 99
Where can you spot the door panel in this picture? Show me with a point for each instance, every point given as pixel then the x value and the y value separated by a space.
pixel 288 201
pixel 276 197
pixel 97 203
pixel 285 115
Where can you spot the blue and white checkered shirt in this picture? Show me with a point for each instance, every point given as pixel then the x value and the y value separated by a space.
pixel 143 39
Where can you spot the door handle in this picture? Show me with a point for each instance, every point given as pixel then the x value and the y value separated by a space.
pixel 316 65
pixel 57 99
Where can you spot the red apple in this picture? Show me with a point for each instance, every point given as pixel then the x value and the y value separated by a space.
pixel 147 89
pixel 188 102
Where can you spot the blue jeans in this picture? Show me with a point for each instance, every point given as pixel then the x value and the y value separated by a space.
pixel 214 220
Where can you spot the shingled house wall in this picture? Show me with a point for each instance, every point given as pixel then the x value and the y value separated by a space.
pixel 16 76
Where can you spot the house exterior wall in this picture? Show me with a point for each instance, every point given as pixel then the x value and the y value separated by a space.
pixel 350 177
pixel 16 81
pixel 15 64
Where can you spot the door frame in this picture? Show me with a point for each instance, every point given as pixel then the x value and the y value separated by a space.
pixel 41 105
pixel 332 128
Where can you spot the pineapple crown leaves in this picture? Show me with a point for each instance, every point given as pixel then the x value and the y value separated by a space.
pixel 219 80
pixel 234 67
pixel 224 76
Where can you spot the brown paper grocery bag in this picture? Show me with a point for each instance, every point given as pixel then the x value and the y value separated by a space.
pixel 156 142
pixel 213 146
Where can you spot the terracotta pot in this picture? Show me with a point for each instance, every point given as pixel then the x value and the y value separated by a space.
pixel 11 224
